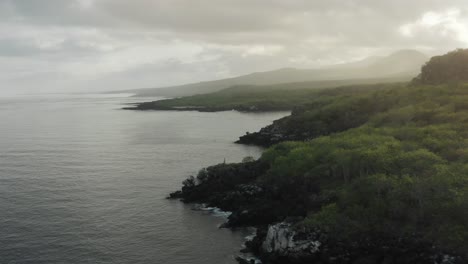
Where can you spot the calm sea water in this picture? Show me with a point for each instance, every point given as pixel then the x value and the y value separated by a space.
pixel 84 182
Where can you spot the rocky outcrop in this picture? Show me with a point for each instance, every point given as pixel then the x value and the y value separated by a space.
pixel 285 244
pixel 281 237
pixel 283 129
pixel 247 260
pixel 163 105
pixel 273 134
pixel 281 240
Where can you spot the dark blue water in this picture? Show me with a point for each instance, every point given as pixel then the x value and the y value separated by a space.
pixel 84 182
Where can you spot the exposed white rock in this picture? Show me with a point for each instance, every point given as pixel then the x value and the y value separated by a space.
pixel 248 259
pixel 280 240
pixel 447 259
pixel 215 211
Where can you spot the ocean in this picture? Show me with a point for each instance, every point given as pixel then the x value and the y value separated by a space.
pixel 82 181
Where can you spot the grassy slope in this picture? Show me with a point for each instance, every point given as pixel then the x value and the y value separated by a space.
pixel 254 98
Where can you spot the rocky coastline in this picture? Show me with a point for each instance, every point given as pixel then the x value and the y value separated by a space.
pixel 280 238
pixel 371 176
pixel 271 135
pixel 245 108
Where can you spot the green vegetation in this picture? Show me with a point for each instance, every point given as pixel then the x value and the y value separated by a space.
pixel 383 165
pixel 255 98
pixel 451 67
pixel 402 172
pixel 378 173
pixel 368 182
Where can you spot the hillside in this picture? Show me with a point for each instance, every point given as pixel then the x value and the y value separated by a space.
pixel 451 67
pixel 369 169
pixel 399 66
pixel 354 176
pixel 249 98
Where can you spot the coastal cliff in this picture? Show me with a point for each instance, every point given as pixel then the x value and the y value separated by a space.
pixel 386 183
pixel 283 234
pixel 375 176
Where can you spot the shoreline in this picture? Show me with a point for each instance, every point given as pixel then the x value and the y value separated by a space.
pixel 342 178
pixel 244 255
pixel 279 238
pixel 282 242
pixel 241 109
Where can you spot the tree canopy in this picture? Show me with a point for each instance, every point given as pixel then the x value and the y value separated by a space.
pixel 451 67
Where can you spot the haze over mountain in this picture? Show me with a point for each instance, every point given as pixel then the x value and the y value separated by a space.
pixel 399 66
pixel 56 46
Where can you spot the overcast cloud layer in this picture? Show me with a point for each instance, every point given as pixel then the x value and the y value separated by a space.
pixel 95 45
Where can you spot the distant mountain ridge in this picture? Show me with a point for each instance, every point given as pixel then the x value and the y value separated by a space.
pixel 402 65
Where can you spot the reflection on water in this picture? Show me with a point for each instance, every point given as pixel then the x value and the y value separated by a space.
pixel 84 182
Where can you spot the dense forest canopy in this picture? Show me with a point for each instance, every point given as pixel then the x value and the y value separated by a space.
pixel 375 167
pixel 403 171
pixel 451 67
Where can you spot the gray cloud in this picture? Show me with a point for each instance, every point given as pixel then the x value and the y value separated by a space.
pixel 108 44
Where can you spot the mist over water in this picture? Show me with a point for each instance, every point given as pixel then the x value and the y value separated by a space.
pixel 84 182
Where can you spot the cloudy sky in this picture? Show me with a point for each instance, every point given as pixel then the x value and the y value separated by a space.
pixel 94 45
